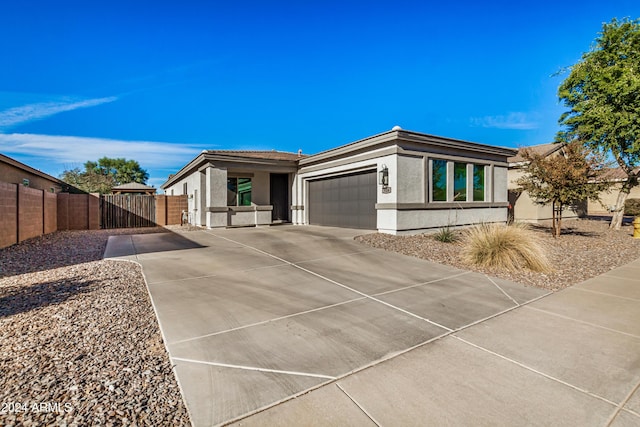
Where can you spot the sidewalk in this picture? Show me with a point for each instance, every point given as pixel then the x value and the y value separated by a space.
pixel 570 359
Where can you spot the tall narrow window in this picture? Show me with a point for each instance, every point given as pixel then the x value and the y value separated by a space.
pixel 238 191
pixel 184 188
pixel 478 183
pixel 244 191
pixel 460 182
pixel 232 192
pixel 439 180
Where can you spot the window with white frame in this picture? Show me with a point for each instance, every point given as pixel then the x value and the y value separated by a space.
pixel 439 180
pixel 479 183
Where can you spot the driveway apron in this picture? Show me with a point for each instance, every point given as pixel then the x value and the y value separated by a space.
pixel 255 317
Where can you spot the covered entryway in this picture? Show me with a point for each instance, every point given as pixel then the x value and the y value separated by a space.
pixel 279 195
pixel 344 201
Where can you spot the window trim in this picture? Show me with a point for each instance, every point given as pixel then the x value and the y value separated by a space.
pixel 446 183
pixel 237 199
pixel 450 181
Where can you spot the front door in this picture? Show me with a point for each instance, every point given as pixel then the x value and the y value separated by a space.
pixel 280 196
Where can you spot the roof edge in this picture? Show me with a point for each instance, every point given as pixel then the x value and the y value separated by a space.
pixel 406 135
pixel 231 156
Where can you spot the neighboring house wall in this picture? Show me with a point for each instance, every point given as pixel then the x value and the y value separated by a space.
pixel 526 210
pixel 14 172
pixel 609 200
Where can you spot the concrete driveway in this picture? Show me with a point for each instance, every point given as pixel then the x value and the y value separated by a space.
pixel 254 317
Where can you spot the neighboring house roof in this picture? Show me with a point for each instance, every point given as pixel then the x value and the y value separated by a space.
pixel 616 174
pixel 541 150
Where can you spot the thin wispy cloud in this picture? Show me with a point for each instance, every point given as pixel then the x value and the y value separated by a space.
pixel 26 113
pixel 67 151
pixel 515 120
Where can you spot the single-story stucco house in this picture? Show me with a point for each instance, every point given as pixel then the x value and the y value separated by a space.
pixel 396 182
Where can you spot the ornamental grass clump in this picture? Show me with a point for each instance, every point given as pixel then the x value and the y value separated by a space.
pixel 509 247
pixel 446 235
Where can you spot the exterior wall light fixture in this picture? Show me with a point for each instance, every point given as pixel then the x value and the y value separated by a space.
pixel 384 175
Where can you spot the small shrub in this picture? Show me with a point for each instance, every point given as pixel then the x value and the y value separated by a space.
pixel 446 235
pixel 508 247
pixel 632 207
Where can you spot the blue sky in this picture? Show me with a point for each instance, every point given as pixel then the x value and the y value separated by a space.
pixel 160 81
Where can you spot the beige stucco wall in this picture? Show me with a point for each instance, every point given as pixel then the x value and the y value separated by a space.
pixel 526 210
pixel 609 200
pixel 15 175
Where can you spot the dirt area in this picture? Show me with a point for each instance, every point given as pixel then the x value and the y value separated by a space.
pixel 79 340
pixel 586 249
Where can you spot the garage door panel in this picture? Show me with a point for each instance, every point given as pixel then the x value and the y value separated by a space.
pixel 344 201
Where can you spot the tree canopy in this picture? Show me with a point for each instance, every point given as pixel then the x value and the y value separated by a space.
pixel 561 179
pixel 106 173
pixel 602 92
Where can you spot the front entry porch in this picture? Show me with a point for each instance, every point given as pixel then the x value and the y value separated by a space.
pixel 248 196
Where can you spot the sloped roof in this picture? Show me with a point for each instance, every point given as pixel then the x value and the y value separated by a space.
pixel 616 174
pixel 133 186
pixel 255 154
pixel 541 150
pixel 267 158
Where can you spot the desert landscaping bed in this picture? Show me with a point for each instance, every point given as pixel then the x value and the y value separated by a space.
pixel 586 249
pixel 79 340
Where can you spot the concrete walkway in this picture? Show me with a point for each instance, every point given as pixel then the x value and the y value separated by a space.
pixel 303 326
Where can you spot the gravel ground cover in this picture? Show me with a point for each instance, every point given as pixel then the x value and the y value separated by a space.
pixel 79 341
pixel 586 249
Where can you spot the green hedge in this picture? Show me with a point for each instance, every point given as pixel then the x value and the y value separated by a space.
pixel 632 207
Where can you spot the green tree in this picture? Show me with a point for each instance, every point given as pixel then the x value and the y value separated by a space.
pixel 103 175
pixel 602 92
pixel 566 178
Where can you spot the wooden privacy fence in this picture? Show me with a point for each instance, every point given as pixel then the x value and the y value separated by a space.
pixel 135 210
pixel 126 211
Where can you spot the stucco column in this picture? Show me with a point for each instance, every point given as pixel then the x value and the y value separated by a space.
pixel 216 197
pixel 296 203
pixel 202 202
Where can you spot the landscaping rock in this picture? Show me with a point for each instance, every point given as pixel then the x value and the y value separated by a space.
pixel 585 249
pixel 78 338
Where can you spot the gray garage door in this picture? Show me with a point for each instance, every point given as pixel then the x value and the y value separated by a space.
pixel 344 201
